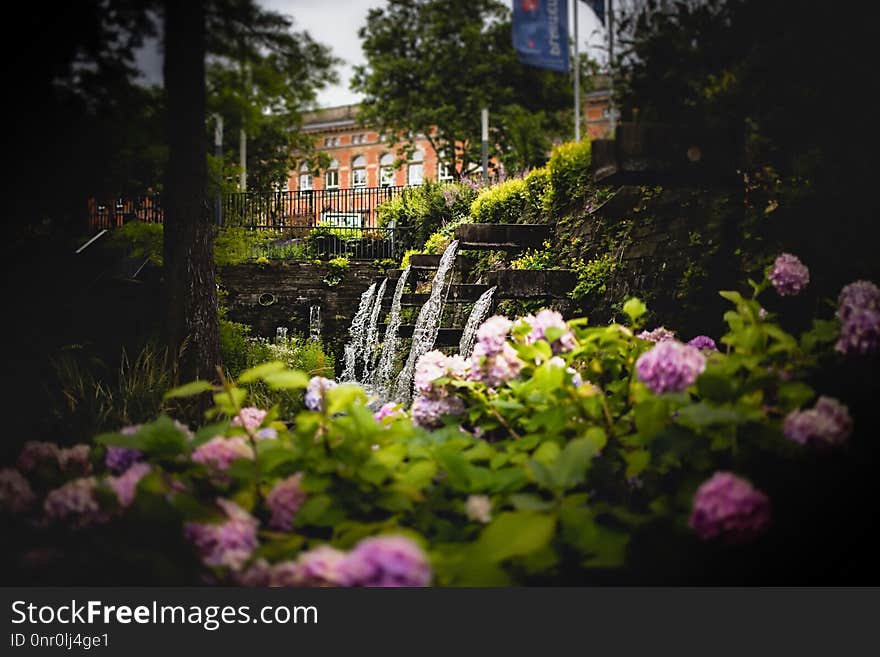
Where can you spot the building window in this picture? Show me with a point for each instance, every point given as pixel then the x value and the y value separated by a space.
pixel 331 141
pixel 359 171
pixel 305 178
pixel 359 139
pixel 386 170
pixel 331 176
pixel 444 172
pixel 415 172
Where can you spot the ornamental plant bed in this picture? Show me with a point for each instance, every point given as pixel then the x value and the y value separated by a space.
pixel 558 453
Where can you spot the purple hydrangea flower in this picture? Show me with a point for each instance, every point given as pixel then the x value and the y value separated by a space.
pixel 494 369
pixel 827 423
pixel 75 460
pixel 266 433
pixel 729 508
pixel 125 485
pixel 386 561
pixel 857 295
pixel 544 320
pixel 318 385
pixel 659 334
pixel 120 459
pixel 249 417
pixel 285 500
pixel 859 314
pixel 789 275
pixel 703 343
pixel 229 543
pixel 16 494
pixel 75 503
pixel 428 412
pixel 257 574
pixel 35 452
pixel 670 366
pixel 321 566
pixel 219 452
pixel 492 334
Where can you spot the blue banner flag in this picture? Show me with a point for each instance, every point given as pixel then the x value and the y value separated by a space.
pixel 598 7
pixel 540 33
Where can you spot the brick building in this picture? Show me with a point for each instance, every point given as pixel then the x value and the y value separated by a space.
pixel 360 158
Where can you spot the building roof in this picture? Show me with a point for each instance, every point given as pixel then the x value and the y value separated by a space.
pixel 330 117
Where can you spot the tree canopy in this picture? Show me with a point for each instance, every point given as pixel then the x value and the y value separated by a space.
pixel 432 65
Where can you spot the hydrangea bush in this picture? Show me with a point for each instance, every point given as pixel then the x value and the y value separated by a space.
pixel 540 456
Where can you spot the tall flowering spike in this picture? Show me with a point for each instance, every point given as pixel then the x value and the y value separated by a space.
pixel 318 385
pixel 703 343
pixel 828 423
pixel 789 275
pixel 659 334
pixel 249 418
pixel 219 452
pixel 120 459
pixel 544 320
pixel 125 485
pixel 321 566
pixel 670 366
pixel 492 334
pixel 494 369
pixel 75 503
pixel 34 453
pixel 386 561
pixel 428 412
pixel 16 494
pixel 227 544
pixel 729 508
pixel 284 501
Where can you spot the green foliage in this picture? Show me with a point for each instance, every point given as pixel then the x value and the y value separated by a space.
pixel 504 203
pixel 569 168
pixel 570 459
pixel 427 208
pixel 593 276
pixel 438 242
pixel 139 239
pixel 544 258
pixel 234 245
pixel 337 268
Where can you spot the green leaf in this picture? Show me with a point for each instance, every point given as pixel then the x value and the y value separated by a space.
pixel 636 462
pixel 794 394
pixel 651 416
pixel 716 386
pixel 634 308
pixel 570 469
pixel 341 397
pixel 704 414
pixel 530 502
pixel 513 534
pixel 261 371
pixel 189 389
pixel 287 380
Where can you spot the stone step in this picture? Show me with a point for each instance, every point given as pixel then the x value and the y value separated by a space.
pixel 501 237
pixel 532 283
pixel 454 293
pixel 446 337
pixel 422 261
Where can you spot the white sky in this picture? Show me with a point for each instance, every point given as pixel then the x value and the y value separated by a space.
pixel 336 22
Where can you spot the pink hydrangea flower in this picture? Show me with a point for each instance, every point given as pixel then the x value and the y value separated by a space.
pixel 249 418
pixel 125 485
pixel 494 369
pixel 544 320
pixel 16 494
pixel 284 501
pixel 729 508
pixel 789 275
pixel 320 566
pixel 75 503
pixel 492 333
pixel 828 423
pixel 34 453
pixel 659 334
pixel 229 543
pixel 219 452
pixel 386 561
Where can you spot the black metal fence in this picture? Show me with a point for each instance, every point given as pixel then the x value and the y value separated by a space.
pixel 322 223
pixel 351 208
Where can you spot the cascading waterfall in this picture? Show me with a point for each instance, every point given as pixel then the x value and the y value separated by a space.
pixel 358 336
pixel 371 341
pixel 478 314
pixel 315 323
pixel 427 325
pixel 382 376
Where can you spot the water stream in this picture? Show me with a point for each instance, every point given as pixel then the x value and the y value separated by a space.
pixel 355 346
pixel 427 325
pixel 371 340
pixel 385 369
pixel 477 316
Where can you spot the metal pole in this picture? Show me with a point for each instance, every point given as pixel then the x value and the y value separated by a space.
pixel 610 14
pixel 242 160
pixel 577 78
pixel 484 116
pixel 218 153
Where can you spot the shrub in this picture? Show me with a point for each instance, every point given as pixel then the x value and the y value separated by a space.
pixel 544 258
pixel 501 204
pixel 569 173
pixel 337 268
pixel 427 208
pixel 140 239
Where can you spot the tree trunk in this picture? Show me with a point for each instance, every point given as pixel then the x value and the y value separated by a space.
pixel 190 287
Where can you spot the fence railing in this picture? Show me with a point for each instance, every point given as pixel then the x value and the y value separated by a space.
pixel 310 223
